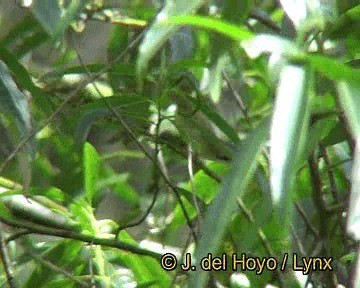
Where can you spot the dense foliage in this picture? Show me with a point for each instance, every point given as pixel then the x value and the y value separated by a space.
pixel 130 130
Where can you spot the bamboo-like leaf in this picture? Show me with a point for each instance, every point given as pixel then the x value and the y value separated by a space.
pixel 232 31
pixel 219 213
pixel 266 43
pixel 353 220
pixel 158 34
pixel 288 123
pixel 29 209
pixel 350 101
pixel 333 69
pixel 14 101
pixel 295 9
pixel 91 164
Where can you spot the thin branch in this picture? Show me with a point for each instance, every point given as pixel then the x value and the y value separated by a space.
pixel 17 235
pixel 157 188
pixel 66 100
pixel 307 222
pixel 318 195
pixel 57 269
pixel 333 188
pixel 298 241
pixel 147 154
pixel 335 193
pixel 237 97
pixel 91 267
pixel 69 234
pixel 265 21
pixel 248 214
pixel 198 162
pixel 6 261
pixel 191 177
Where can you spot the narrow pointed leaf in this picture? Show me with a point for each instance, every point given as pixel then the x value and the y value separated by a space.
pixel 350 101
pixel 91 164
pixel 295 9
pixel 13 101
pixel 353 220
pixel 287 125
pixel 220 211
pixel 158 34
pixel 232 31
pixel 349 97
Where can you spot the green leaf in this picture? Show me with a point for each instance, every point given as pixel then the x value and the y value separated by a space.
pixel 353 219
pixel 219 213
pixel 23 78
pixel 235 32
pixel 27 25
pixel 91 167
pixel 333 69
pixel 218 120
pixel 350 102
pixel 348 23
pixel 158 34
pixel 132 104
pixel 32 210
pixel 14 101
pixel 145 269
pixel 289 119
pixel 205 190
pixel 296 10
pixel 52 18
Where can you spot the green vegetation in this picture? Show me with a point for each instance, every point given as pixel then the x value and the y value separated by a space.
pixel 130 130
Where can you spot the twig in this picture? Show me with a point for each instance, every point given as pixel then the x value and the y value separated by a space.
pixel 147 154
pixel 335 193
pixel 6 261
pixel 91 267
pixel 191 177
pixel 156 190
pixel 68 234
pixel 260 234
pixel 17 235
pixel 57 269
pixel 333 188
pixel 307 222
pixel 318 195
pixel 298 241
pixel 323 215
pixel 266 21
pixel 237 97
pixel 82 85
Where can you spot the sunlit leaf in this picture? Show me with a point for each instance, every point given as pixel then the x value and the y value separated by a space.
pixel 235 32
pixel 289 118
pixel 333 69
pixel 296 10
pixel 267 43
pixel 91 166
pixel 350 101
